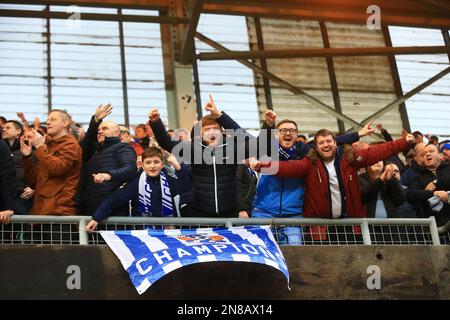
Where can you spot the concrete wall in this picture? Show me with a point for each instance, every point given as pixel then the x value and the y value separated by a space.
pixel 40 272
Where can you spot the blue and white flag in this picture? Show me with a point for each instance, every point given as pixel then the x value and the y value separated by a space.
pixel 149 255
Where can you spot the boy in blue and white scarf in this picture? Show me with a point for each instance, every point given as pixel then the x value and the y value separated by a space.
pixel 152 190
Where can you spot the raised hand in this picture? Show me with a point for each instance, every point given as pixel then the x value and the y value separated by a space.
pixel 212 108
pixel 172 160
pixel 270 116
pixel 21 116
pixel 154 115
pixel 25 146
pixel 389 172
pixel 410 138
pixel 367 129
pixel 38 140
pixel 102 112
pixel 255 164
pixel 81 133
pixel 404 133
pixel 37 123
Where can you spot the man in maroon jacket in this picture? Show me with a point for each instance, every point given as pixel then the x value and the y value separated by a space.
pixel 331 174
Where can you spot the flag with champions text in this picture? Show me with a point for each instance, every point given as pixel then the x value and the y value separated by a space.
pixel 149 255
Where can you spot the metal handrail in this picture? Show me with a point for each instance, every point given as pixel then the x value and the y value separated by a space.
pixel 228 222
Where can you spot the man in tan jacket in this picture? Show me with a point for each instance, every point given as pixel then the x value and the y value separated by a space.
pixel 55 175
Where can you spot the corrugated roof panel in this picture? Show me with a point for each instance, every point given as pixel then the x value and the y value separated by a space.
pixel 293 107
pixel 360 105
pixel 344 35
pixel 310 74
pixel 371 74
pixel 360 73
pixel 365 83
pixel 305 73
pixel 289 34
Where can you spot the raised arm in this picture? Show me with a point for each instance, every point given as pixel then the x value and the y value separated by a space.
pixel 352 137
pixel 284 169
pixel 416 193
pixel 116 200
pixel 57 164
pixel 127 165
pixel 160 132
pixel 375 153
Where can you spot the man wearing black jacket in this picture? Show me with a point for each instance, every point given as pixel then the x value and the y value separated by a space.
pixel 434 180
pixel 12 131
pixel 214 161
pixel 8 183
pixel 381 192
pixel 107 163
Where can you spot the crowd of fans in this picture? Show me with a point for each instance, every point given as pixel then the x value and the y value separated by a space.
pixel 59 169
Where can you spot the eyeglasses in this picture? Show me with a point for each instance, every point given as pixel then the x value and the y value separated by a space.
pixel 285 130
pixel 124 131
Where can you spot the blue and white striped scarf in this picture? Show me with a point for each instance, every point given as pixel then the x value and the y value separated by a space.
pixel 287 154
pixel 145 195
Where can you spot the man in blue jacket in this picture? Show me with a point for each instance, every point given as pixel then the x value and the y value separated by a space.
pixel 108 163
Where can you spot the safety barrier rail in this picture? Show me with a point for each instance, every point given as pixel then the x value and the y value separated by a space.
pixel 71 229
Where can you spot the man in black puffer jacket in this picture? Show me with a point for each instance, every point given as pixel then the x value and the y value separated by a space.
pixel 214 158
pixel 12 131
pixel 433 181
pixel 108 163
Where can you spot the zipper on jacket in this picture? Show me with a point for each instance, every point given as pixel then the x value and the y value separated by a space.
pixel 215 182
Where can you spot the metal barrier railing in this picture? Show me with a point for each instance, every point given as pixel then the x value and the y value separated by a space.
pixel 306 231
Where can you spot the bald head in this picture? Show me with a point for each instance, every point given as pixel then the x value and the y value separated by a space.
pixel 419 153
pixel 107 129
